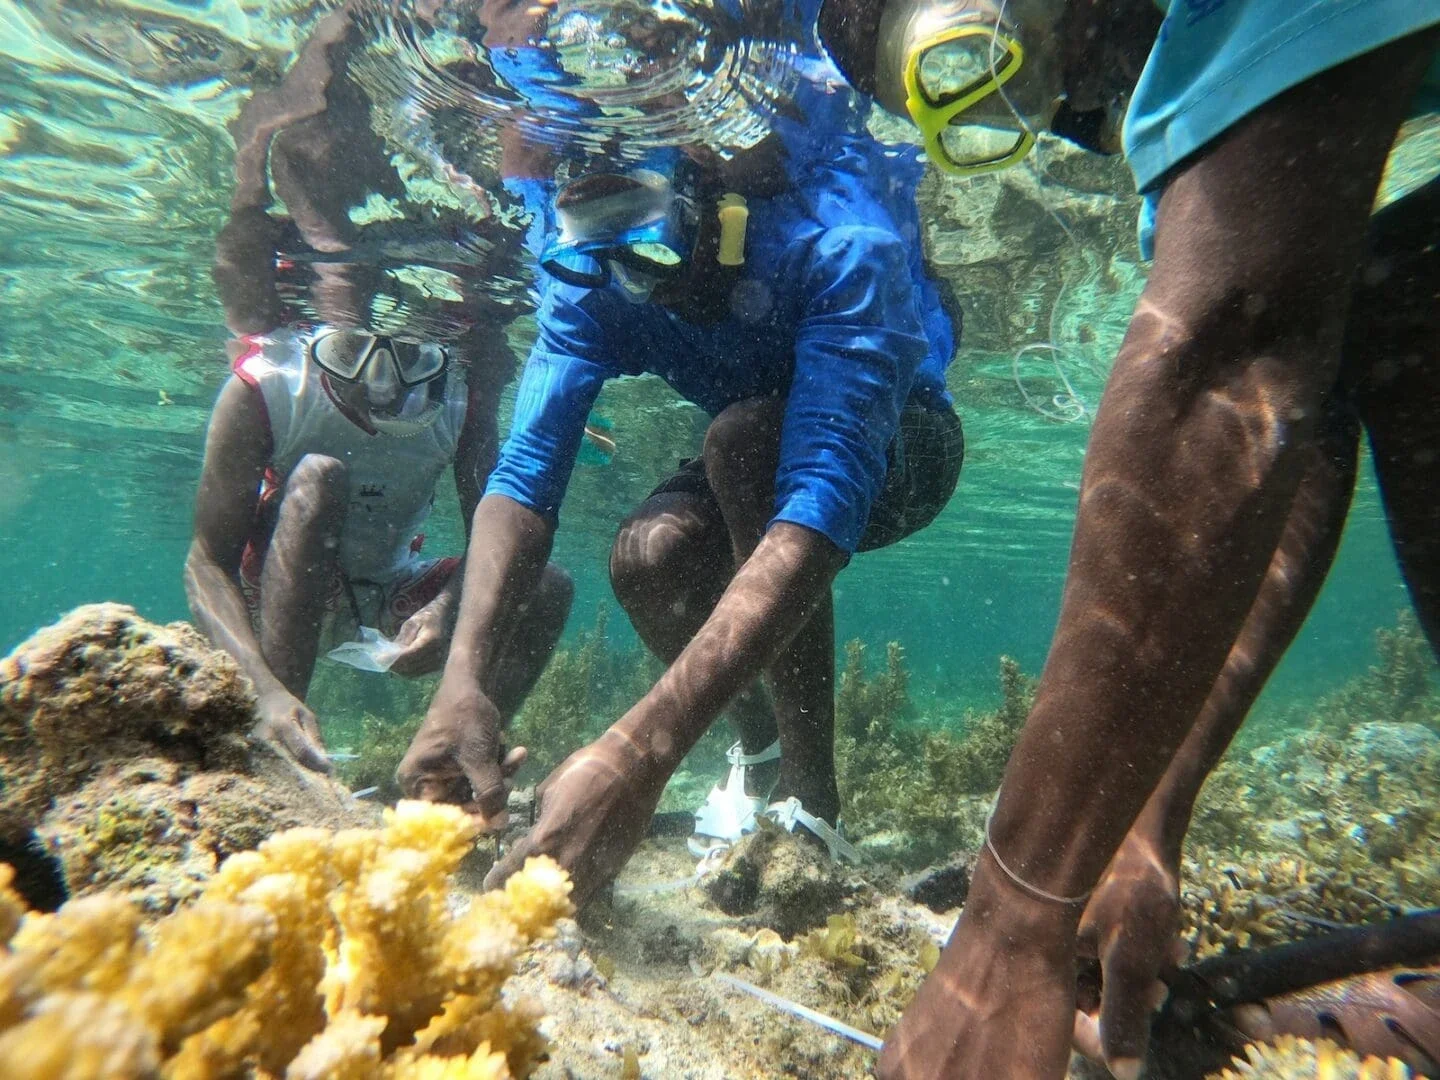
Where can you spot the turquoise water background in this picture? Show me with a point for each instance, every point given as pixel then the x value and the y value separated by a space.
pixel 114 178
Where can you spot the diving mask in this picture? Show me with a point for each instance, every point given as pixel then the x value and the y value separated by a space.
pixel 347 354
pixel 392 372
pixel 948 64
pixel 642 221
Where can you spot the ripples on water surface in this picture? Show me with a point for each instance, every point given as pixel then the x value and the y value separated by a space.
pixel 116 175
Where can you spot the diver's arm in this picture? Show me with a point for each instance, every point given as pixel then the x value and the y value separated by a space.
pixel 770 598
pixel 474 458
pixel 513 526
pixel 509 547
pixel 237 449
pixel 455 756
pixel 595 806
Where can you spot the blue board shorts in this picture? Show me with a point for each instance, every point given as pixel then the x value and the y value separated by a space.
pixel 1216 61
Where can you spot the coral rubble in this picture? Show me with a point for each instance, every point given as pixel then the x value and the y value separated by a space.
pixel 319 955
pixel 123 752
pixel 1321 827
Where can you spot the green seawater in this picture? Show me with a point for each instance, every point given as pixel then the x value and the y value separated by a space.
pixel 115 174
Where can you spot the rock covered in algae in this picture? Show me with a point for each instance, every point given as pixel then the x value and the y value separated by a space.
pixel 785 883
pixel 320 955
pixel 123 750
pixel 1289 1058
pixel 103 685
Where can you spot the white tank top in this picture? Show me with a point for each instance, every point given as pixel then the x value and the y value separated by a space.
pixel 391 478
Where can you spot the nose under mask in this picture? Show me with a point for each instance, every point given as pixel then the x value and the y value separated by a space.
pixel 382 379
pixel 636 286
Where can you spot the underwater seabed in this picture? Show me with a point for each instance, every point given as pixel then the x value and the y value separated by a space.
pixel 127 785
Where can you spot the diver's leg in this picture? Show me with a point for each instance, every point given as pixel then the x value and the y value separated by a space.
pixel 668 566
pixel 1392 370
pixel 533 641
pixel 670 563
pixel 742 453
pixel 1131 923
pixel 300 567
pixel 1190 474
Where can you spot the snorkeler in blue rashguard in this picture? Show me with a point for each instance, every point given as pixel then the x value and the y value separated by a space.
pixel 816 343
pixel 1218 469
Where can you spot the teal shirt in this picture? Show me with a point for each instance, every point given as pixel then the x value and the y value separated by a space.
pixel 1216 61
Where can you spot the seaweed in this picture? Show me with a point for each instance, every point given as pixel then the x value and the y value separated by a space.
pixel 1400 687
pixel 836 944
pixel 582 691
pixel 917 789
pixel 380 745
pixel 872 708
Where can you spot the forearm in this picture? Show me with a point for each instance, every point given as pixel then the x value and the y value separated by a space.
pixel 509 547
pixel 1292 582
pixel 220 612
pixel 770 598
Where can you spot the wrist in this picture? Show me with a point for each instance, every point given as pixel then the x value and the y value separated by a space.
pixel 1161 827
pixel 447 602
pixel 651 750
pixel 996 901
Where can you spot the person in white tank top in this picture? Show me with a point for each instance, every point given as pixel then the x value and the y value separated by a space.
pixel 321 462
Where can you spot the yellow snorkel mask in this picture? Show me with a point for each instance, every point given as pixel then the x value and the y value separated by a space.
pixel 946 64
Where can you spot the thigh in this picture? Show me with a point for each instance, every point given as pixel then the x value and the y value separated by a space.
pixel 1391 372
pixel 1391 354
pixel 677 531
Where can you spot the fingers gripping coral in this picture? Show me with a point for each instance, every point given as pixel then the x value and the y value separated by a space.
pixel 321 954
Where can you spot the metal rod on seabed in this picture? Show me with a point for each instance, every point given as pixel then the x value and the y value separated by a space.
pixel 794 1008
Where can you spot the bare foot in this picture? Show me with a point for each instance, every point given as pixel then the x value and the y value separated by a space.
pixel 1001 1001
pixel 1131 925
pixel 594 811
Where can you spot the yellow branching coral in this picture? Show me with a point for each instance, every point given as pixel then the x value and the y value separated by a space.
pixel 1289 1058
pixel 320 955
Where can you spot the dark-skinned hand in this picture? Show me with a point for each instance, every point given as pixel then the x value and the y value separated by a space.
pixel 1131 927
pixel 458 757
pixel 594 810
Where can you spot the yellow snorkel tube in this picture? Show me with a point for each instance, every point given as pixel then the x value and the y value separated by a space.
pixel 734 218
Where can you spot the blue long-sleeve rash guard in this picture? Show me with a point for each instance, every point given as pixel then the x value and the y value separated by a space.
pixel 834 313
pixel 831 317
